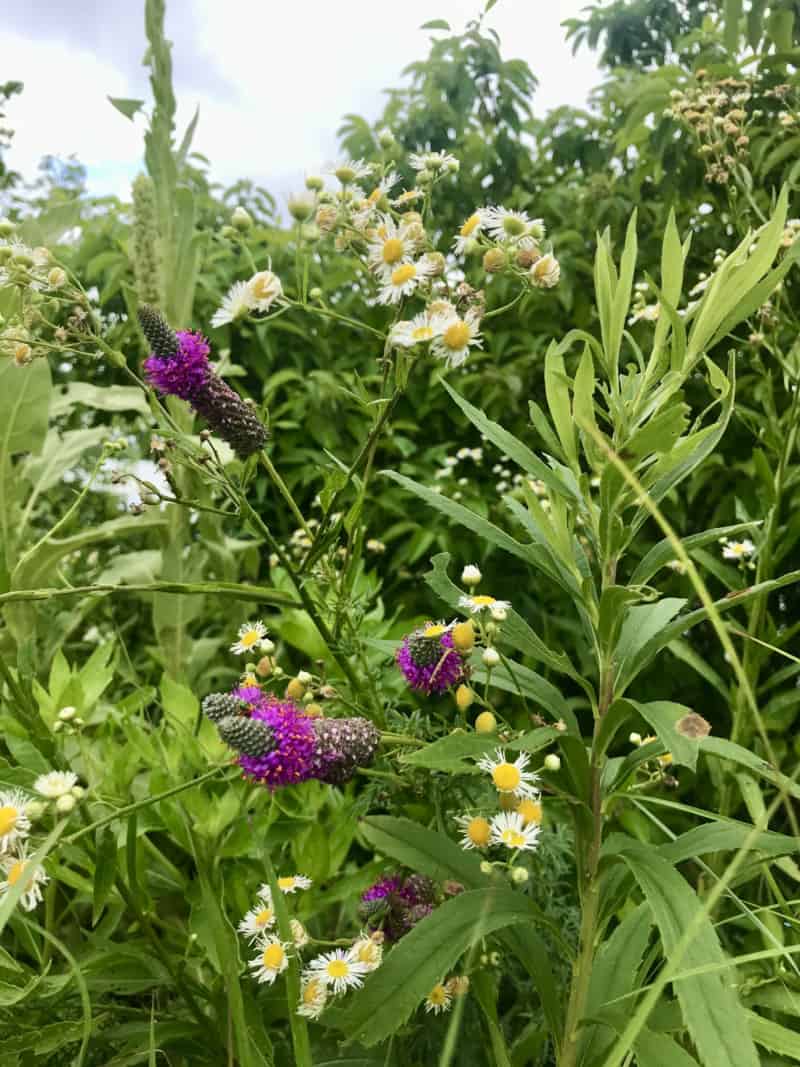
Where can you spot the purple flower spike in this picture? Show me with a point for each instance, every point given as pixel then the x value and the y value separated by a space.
pixel 429 661
pixel 293 758
pixel 186 373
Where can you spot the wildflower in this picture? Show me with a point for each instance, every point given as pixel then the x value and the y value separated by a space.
pixel 476 831
pixel 511 777
pixel 458 985
pixel 552 762
pixel 505 225
pixel 519 876
pixel 250 636
pixel 18 867
pixel 349 171
pixel 413 331
pixel 485 723
pixel 301 206
pixel 509 829
pixel 292 882
pixel 490 657
pixel 439 999
pixel 545 272
pixel 374 545
pixel 429 661
pixel 389 247
pixel 530 811
pixel 738 550
pixel 14 822
pixel 65 804
pixel 455 336
pixel 291 759
pixel 236 303
pixel 403 280
pixel 483 602
pixel 178 366
pixel 463 634
pixel 56 278
pixel 343 745
pixel 313 996
pixel 433 161
pixel 470 575
pixel 407 196
pixel 299 933
pixel 265 288
pixel 398 903
pixel 258 920
pixel 368 949
pixel 468 231
pixel 338 970
pixel 241 219
pixel 270 961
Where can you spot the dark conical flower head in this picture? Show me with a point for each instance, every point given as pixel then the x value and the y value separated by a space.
pixel 218 706
pixel 250 737
pixel 428 660
pixel 344 745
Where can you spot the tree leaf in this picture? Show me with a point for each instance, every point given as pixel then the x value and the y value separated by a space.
pixel 126 106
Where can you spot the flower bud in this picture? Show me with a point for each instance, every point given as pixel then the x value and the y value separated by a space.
pixel 470 575
pixel 23 353
pixel 56 278
pixel 386 138
pixel 67 713
pixel 301 206
pixel 635 739
pixel 315 183
pixel 229 233
pixel 464 697
pixel 304 677
pixel 35 809
pixel 7 227
pixel 424 177
pixel 314 710
pixel 315 293
pixel 295 690
pixel 241 219
pixel 463 635
pixel 552 762
pixel 264 667
pixel 327 691
pixel 65 804
pixel 268 645
pixel 519 876
pixel 78 792
pixel 490 657
pixel 485 723
pixel 436 262
pixel 486 867
pixel 494 260
pixel 326 217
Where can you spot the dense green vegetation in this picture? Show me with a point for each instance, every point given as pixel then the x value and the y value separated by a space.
pixel 492 483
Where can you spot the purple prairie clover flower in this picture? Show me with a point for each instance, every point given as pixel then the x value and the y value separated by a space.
pixel 396 904
pixel 179 366
pixel 293 758
pixel 429 661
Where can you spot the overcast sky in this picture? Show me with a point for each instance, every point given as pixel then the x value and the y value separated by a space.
pixel 273 78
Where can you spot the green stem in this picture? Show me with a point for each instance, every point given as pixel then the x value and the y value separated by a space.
pixel 261 594
pixel 297 1024
pixel 283 489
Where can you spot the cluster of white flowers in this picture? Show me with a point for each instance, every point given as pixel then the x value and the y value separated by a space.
pixel 257 927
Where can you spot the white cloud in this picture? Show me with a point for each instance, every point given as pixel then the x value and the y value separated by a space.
pixel 297 69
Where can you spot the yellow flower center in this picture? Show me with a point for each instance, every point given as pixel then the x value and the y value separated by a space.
pixel 433 631
pixel 264 917
pixel 249 638
pixel 15 873
pixel 422 333
pixel 483 600
pixel 338 969
pixel 531 812
pixel 456 335
pixel 438 995
pixel 506 777
pixel 513 226
pixel 404 274
pixel 286 883
pixel 311 991
pixel 368 952
pixel 478 831
pixel 273 956
pixel 513 838
pixel 469 225
pixel 374 196
pixel 392 250
pixel 8 820
pixel 263 288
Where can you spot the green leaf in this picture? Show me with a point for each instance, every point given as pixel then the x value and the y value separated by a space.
pixel 725 836
pixel 424 957
pixel 662 716
pixel 452 753
pixel 435 24
pixel 642 623
pixel 120 398
pixel 24 402
pixel 126 106
pixel 654 1049
pixel 709 1005
pixel 661 554
pixel 733 12
pixel 105 870
pixel 422 850
pixel 729 750
pixel 773 1036
pixel 557 392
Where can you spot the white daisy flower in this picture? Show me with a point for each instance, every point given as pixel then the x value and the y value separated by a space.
pixel 367 950
pixel 389 247
pixel 338 970
pixel 383 188
pixel 645 313
pixel 55 784
pixel 475 831
pixel 313 996
pixel 250 635
pixel 455 336
pixel 408 196
pixel 351 170
pixel 439 999
pixel 510 829
pixel 257 921
pixel 270 961
pixel 545 272
pixel 299 933
pixel 292 882
pixel 505 225
pixel 469 230
pixel 511 778
pixel 236 303
pixel 403 281
pixel 14 823
pixel 19 868
pixel 434 161
pixel 264 288
pixel 412 332
pixel 483 602
pixel 738 550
